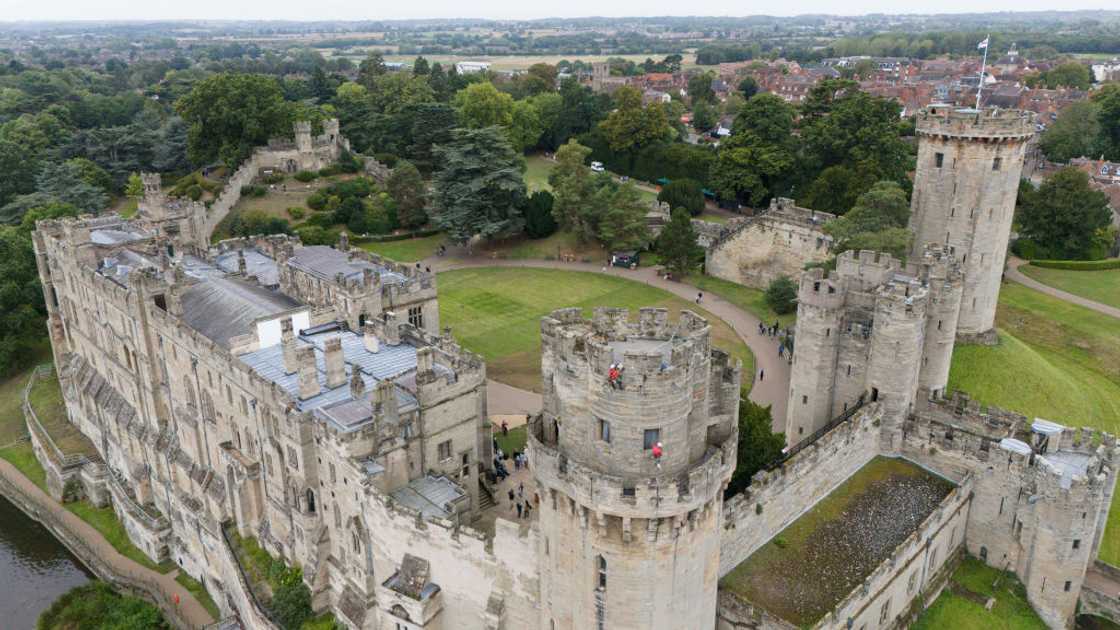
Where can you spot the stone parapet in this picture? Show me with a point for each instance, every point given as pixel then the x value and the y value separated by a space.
pixel 991 124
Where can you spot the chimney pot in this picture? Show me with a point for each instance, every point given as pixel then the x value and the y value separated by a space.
pixel 288 346
pixel 308 373
pixel 335 362
pixel 370 340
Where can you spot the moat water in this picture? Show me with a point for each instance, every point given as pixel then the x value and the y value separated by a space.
pixel 35 569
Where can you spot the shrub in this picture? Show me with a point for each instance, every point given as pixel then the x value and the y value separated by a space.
pixel 683 193
pixel 305 176
pixel 253 191
pixel 539 221
pixel 194 191
pixel 388 159
pixel 316 235
pixel 317 200
pixel 274 178
pixel 781 295
pixel 1079 265
pixel 296 212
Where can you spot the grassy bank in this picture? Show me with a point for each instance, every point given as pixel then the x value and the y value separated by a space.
pixel 409 250
pixel 1099 286
pixel 961 605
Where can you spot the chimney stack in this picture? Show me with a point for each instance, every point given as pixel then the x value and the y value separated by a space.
pixel 370 340
pixel 343 242
pixel 425 360
pixel 385 401
pixel 242 267
pixel 336 365
pixel 392 329
pixel 308 373
pixel 288 344
pixel 357 385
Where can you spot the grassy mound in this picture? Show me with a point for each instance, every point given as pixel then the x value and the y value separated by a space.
pixel 1100 286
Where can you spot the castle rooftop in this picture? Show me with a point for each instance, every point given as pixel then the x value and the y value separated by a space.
pixel 224 308
pixel 113 236
pixel 431 495
pixel 327 263
pixel 256 264
pixel 122 263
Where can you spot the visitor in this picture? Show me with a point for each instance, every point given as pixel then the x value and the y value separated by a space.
pixel 520 507
pixel 781 350
pixel 521 490
pixel 528 508
pixel 505 428
pixel 699 297
pixel 512 498
pixel 612 376
pixel 657 452
pixel 761 329
pixel 761 375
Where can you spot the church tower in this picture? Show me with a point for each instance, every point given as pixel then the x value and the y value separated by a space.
pixel 967 179
pixel 630 540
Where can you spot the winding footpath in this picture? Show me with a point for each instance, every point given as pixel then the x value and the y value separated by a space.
pixel 1013 273
pixel 771 389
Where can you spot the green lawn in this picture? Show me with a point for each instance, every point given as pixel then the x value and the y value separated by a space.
pixel 538 168
pixel 961 605
pixel 496 312
pixel 514 441
pixel 559 244
pixel 409 250
pixel 22 456
pixel 1100 286
pixel 751 300
pixel 1055 360
pixel 105 521
pixel 200 593
pixel 46 399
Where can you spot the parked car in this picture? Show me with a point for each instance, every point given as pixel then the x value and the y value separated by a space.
pixel 628 260
pixel 597 167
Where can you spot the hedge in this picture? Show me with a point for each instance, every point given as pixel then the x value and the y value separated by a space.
pixel 1079 265
pixel 385 238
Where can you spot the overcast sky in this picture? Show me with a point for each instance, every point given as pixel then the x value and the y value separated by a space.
pixel 514 9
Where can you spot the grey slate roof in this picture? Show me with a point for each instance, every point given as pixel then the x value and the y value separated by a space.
pixel 430 495
pixel 327 262
pixel 256 264
pixel 112 236
pixel 122 263
pixel 222 308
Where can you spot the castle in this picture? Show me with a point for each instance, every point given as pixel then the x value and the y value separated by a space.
pixel 306 396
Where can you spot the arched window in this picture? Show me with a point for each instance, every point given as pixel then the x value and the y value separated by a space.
pixel 337 516
pixel 310 501
pixel 191 398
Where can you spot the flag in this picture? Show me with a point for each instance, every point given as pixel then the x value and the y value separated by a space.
pixel 984 44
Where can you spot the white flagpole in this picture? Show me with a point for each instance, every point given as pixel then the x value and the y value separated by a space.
pixel 983 67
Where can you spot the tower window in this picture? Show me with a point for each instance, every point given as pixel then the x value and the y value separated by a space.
pixel 602 568
pixel 416 316
pixel 445 450
pixel 995 164
pixel 939 324
pixel 804 400
pixel 1077 543
pixel 650 437
pixel 605 431
pixel 1067 586
pixel 938 159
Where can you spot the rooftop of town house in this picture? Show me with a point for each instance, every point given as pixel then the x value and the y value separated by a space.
pixel 845 537
pixel 431 495
pixel 256 264
pixel 326 263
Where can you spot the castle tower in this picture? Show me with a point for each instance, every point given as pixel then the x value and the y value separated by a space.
pixel 941 274
pixel 629 541
pixel 153 204
pixel 303 136
pixel 599 72
pixel 967 179
pixel 820 301
pixel 896 351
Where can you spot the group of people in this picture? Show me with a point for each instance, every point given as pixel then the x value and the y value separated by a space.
pixel 784 337
pixel 518 501
pixel 614 376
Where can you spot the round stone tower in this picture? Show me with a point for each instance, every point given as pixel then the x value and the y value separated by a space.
pixel 965 185
pixel 629 540
pixel 942 276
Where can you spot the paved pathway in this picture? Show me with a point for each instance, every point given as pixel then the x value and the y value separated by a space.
pixel 1013 273
pixel 189 607
pixel 772 389
pixel 1102 583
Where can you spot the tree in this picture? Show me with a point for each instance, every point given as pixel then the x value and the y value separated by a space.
pixel 704 116
pixel 19 171
pixel 432 124
pixel 407 188
pixel 525 126
pixel 574 188
pixel 230 114
pixel 396 92
pixel 631 125
pixel 1067 75
pixel 622 224
pixel 538 79
pixel 1065 216
pixel 677 244
pixel 1108 100
pixel 758 444
pixel 135 187
pixel 1076 133
pixel 781 295
pixel 482 105
pixel 748 87
pixel 686 194
pixel 877 221
pixel 420 67
pixel 700 88
pixel 480 185
pixel 539 222
pixel 370 68
pixel 757 161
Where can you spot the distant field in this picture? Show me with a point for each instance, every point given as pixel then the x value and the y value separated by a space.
pixel 512 62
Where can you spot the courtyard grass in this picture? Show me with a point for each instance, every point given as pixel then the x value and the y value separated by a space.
pixel 961 605
pixel 751 300
pixel 514 441
pixel 496 312
pixel 196 588
pixel 538 168
pixel 409 250
pixel 1100 286
pixel 554 247
pixel 890 497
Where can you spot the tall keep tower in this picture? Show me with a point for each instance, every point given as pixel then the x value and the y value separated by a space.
pixel 967 179
pixel 629 541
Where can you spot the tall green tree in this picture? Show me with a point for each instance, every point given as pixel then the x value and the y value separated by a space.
pixel 622 221
pixel 1066 216
pixel 420 67
pixel 525 126
pixel 539 222
pixel 482 105
pixel 574 188
pixel 230 114
pixel 631 125
pixel 758 160
pixel 877 221
pixel 758 444
pixel 396 92
pixel 677 244
pixel 370 68
pixel 686 194
pixel 1076 133
pixel 1067 75
pixel 406 186
pixel 1107 100
pixel 700 88
pixel 479 186
pixel 748 87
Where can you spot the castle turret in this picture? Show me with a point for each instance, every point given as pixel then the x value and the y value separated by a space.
pixel 303 136
pixel 820 301
pixel 630 539
pixel 896 351
pixel 965 186
pixel 941 274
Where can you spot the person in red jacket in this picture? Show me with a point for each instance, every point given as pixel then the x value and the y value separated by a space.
pixel 657 452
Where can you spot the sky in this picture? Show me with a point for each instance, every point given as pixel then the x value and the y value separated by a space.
pixel 494 9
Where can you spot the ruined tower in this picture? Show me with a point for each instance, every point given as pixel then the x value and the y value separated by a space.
pixel 628 540
pixel 966 182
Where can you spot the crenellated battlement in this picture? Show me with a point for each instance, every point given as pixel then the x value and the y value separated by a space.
pixel 989 124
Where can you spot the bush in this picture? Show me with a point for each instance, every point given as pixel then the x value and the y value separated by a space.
pixel 539 222
pixel 683 193
pixel 388 159
pixel 317 200
pixel 316 235
pixel 1079 265
pixel 296 212
pixel 305 176
pixel 97 605
pixel 194 191
pixel 781 295
pixel 253 190
pixel 274 178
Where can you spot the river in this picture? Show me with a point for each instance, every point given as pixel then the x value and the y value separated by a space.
pixel 35 569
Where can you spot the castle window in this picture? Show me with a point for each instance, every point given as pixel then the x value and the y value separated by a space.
pixel 983 554
pixel 953 211
pixel 874 394
pixel 885 612
pixel 939 324
pixel 1067 586
pixel 293 460
pixel 445 450
pixel 1076 543
pixel 984 445
pixel 938 159
pixel 601 565
pixel 333 479
pixel 416 316
pixel 804 400
pixel 912 582
pixel 650 437
pixel 995 164
pixel 816 286
pixel 1001 500
pixel 849 369
pixel 827 332
pixel 310 501
pixel 604 431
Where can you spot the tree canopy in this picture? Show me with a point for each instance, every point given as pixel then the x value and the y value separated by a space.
pixel 479 186
pixel 1065 217
pixel 677 244
pixel 758 444
pixel 632 125
pixel 877 222
pixel 229 114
